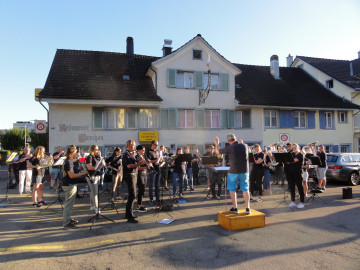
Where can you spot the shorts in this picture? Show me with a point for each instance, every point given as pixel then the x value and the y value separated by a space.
pixel 39 179
pixel 321 173
pixel 234 179
pixel 305 176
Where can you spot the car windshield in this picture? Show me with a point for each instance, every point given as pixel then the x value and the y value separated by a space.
pixel 331 158
pixel 356 157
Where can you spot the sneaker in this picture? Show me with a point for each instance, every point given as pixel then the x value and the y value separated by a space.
pixel 35 205
pixel 259 200
pixel 181 196
pixel 74 221
pixel 292 204
pixel 192 189
pixel 50 188
pixel 119 198
pixel 70 226
pixel 323 188
pixel 252 200
pixel 42 202
pixel 132 220
pixel 300 205
pixel 218 197
pixel 248 211
pixel 234 210
pixel 92 208
pixel 142 209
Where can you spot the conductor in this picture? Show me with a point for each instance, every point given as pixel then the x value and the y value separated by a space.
pixel 239 170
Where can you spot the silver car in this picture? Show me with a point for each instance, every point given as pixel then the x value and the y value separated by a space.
pixel 344 167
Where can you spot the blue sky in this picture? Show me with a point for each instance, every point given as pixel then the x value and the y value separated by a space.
pixel 246 32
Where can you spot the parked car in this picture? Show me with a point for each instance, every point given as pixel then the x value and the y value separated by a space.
pixel 344 167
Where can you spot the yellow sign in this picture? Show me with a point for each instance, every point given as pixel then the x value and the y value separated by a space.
pixel 37 92
pixel 148 136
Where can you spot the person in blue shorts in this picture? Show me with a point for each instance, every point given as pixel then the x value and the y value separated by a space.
pixel 238 154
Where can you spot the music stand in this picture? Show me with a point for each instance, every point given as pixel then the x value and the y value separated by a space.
pixel 284 158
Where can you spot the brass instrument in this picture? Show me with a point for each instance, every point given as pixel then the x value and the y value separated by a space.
pixel 270 149
pixel 45 161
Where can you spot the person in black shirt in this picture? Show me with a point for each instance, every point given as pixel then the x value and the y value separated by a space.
pixel 72 174
pixel 189 172
pixel 115 165
pixel 141 177
pixel 208 168
pixel 55 172
pixel 93 167
pixel 288 165
pixel 25 174
pixel 195 166
pixel 164 169
pixel 306 166
pixel 179 173
pixel 257 172
pixel 130 169
pixel 153 155
pixel 321 170
pixel 295 176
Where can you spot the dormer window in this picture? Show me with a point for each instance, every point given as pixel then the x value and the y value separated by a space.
pixel 126 77
pixel 329 84
pixel 197 54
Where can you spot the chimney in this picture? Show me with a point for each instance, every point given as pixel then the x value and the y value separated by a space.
pixel 130 48
pixel 351 70
pixel 167 49
pixel 274 67
pixel 358 54
pixel 289 60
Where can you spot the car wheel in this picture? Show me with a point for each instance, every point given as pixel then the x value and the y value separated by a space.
pixel 354 179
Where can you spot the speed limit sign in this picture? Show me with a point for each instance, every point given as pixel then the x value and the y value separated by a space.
pixel 284 137
pixel 40 126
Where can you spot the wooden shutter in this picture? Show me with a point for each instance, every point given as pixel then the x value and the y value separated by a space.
pixel 334 148
pixel 224 81
pixel 198 78
pixel 231 118
pixel 98 118
pixel 224 119
pixel 311 119
pixel 171 77
pixel 322 120
pixel 200 118
pixel 286 119
pixel 246 118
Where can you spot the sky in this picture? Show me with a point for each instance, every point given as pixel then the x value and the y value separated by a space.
pixel 245 32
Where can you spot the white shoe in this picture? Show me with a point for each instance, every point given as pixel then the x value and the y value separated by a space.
pixel 292 204
pixel 97 211
pixel 300 205
pixel 92 208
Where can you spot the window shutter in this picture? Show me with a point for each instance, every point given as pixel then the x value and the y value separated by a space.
pixel 286 119
pixel 246 118
pixel 200 118
pixel 335 148
pixel 171 77
pixel 224 119
pixel 224 81
pixel 311 119
pixel 198 78
pixel 322 120
pixel 231 118
pixel 98 117
pixel 172 118
pixel 164 118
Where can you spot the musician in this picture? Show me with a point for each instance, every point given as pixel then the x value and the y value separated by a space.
pixel 257 172
pixel 55 172
pixel 295 177
pixel 38 178
pixel 216 179
pixel 72 174
pixel 25 174
pixel 305 173
pixel 164 170
pixel 130 170
pixel 189 172
pixel 279 170
pixel 115 165
pixel 239 170
pixel 195 166
pixel 267 165
pixel 321 169
pixel 153 155
pixel 288 165
pixel 92 161
pixel 141 177
pixel 208 168
pixel 178 174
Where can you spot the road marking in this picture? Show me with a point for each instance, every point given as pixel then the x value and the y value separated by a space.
pixel 21 248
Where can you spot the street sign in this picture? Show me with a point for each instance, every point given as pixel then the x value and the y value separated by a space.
pixel 284 137
pixel 40 126
pixel 37 92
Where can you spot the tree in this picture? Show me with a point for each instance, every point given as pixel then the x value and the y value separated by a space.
pixel 13 139
pixel 39 139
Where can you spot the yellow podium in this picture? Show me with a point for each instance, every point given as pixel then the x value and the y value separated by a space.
pixel 241 221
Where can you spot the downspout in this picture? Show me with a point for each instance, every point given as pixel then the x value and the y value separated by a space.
pixel 155 78
pixel 47 122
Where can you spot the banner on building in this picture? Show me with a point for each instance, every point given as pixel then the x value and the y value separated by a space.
pixel 148 136
pixel 40 126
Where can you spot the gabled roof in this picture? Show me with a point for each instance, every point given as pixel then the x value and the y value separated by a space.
pixel 191 41
pixel 77 74
pixel 295 89
pixel 337 69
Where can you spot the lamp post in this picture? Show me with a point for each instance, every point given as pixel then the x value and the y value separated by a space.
pixel 25 122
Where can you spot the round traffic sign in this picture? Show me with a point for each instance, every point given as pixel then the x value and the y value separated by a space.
pixel 40 126
pixel 284 137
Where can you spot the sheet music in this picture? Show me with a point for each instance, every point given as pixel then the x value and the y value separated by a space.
pixel 60 161
pixel 221 168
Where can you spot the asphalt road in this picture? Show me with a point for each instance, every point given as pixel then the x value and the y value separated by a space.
pixel 323 235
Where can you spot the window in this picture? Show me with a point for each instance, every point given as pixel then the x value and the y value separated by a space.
pixel 184 79
pixel 186 118
pixel 345 148
pixel 214 81
pixel 299 119
pixel 327 148
pixel 118 118
pixel 342 117
pixel 328 120
pixel 329 84
pixel 345 159
pixel 212 119
pixel 197 54
pixel 149 118
pixel 242 119
pixel 271 118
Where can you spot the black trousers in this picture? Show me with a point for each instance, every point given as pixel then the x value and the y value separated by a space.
pixel 256 179
pixel 295 178
pixel 216 179
pixel 195 174
pixel 141 183
pixel 130 180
